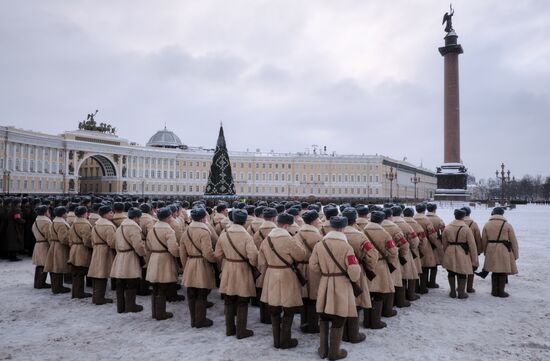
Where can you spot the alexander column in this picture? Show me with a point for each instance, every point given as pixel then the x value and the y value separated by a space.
pixel 451 176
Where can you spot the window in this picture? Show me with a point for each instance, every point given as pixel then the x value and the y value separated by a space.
pixel 282 176
pixel 269 176
pixel 203 175
pixel 158 174
pixel 190 175
pixel 276 176
pixel 257 176
pixel 165 174
pixel 183 174
pixel 270 165
pixel 297 178
pixel 197 175
pixel 333 179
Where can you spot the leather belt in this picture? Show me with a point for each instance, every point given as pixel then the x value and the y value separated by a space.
pixel 194 256
pixel 235 260
pixel 277 267
pixel 124 250
pixel 303 262
pixel 332 274
pixel 163 251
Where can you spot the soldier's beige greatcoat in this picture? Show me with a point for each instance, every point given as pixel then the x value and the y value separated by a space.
pixel 40 230
pixel 361 223
pixel 419 238
pixel 255 225
pixel 93 218
pixel 220 222
pixel 474 227
pixel 118 218
pixel 236 277
pixel 129 247
pixel 58 252
pixel 263 231
pixel 430 256
pixel 162 243
pixel 357 240
pixel 280 285
pixel 455 258
pixel 70 218
pixel 439 226
pixel 325 228
pixel 335 295
pixel 497 257
pixel 309 235
pixel 409 270
pixel 103 241
pixel 197 257
pixel 80 241
pixel 384 244
pixel 403 249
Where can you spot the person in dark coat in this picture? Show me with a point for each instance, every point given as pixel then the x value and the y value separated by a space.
pixel 27 207
pixel 14 230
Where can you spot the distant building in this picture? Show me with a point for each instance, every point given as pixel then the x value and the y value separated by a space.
pixel 85 161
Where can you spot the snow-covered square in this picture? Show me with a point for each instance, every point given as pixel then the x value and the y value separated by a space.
pixel 36 325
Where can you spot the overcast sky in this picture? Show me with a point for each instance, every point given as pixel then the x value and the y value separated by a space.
pixel 356 76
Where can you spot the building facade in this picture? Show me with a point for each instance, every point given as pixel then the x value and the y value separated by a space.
pixel 84 161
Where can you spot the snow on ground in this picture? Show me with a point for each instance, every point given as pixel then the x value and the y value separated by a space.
pixel 36 325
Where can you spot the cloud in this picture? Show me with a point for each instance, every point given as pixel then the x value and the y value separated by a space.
pixel 359 77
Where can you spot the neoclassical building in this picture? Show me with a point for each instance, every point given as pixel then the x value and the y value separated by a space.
pixel 84 161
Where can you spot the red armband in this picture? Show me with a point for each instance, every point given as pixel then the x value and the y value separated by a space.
pixel 367 246
pixel 422 235
pixel 352 260
pixel 402 240
pixel 412 235
pixel 432 231
pixel 17 216
pixel 390 244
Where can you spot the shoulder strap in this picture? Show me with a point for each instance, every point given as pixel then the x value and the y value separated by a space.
pixel 124 236
pixel 35 225
pixel 193 243
pixel 457 233
pixel 76 233
pixel 331 255
pixel 276 253
pixel 500 232
pixel 54 231
pixel 97 234
pixel 235 248
pixel 470 225
pixel 158 240
pixel 302 238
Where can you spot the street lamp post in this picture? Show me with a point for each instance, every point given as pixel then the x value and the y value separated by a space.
pixel 7 175
pixel 415 180
pixel 504 177
pixel 391 176
pixel 142 188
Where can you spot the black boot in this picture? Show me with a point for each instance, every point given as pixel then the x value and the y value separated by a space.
pixel 113 284
pixel 255 301
pixel 130 292
pixel 191 302
pixel 461 289
pixel 400 300
pixel 78 287
pixel 276 328
pixel 264 314
pixel 172 295
pixel 286 331
pixel 376 314
pixel 352 325
pixel 120 302
pixel 160 304
pixel 57 283
pixel 470 284
pixel 37 277
pixel 242 319
pixel 423 283
pixel 411 291
pixel 502 278
pixel 334 350
pixel 89 282
pixel 483 274
pixel 433 277
pixel 494 284
pixel 230 310
pixel 153 301
pixel 100 286
pixel 144 285
pixel 452 284
pixel 67 278
pixel 303 316
pixel 43 277
pixel 387 307
pixel 324 346
pixel 312 317
pixel 200 310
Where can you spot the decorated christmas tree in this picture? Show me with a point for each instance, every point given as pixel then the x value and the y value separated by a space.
pixel 220 179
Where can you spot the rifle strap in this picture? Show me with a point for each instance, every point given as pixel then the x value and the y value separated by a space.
pixel 500 232
pixel 125 239
pixel 158 240
pixel 338 265
pixel 192 242
pixel 35 225
pixel 302 238
pixel 288 264
pixel 235 248
pixel 458 233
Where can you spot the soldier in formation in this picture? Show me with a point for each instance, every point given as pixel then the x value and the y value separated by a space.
pixel 327 263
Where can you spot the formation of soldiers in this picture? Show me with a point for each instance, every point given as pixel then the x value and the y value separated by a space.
pixel 327 264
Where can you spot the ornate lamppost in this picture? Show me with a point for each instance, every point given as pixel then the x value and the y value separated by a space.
pixel 504 178
pixel 391 176
pixel 415 180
